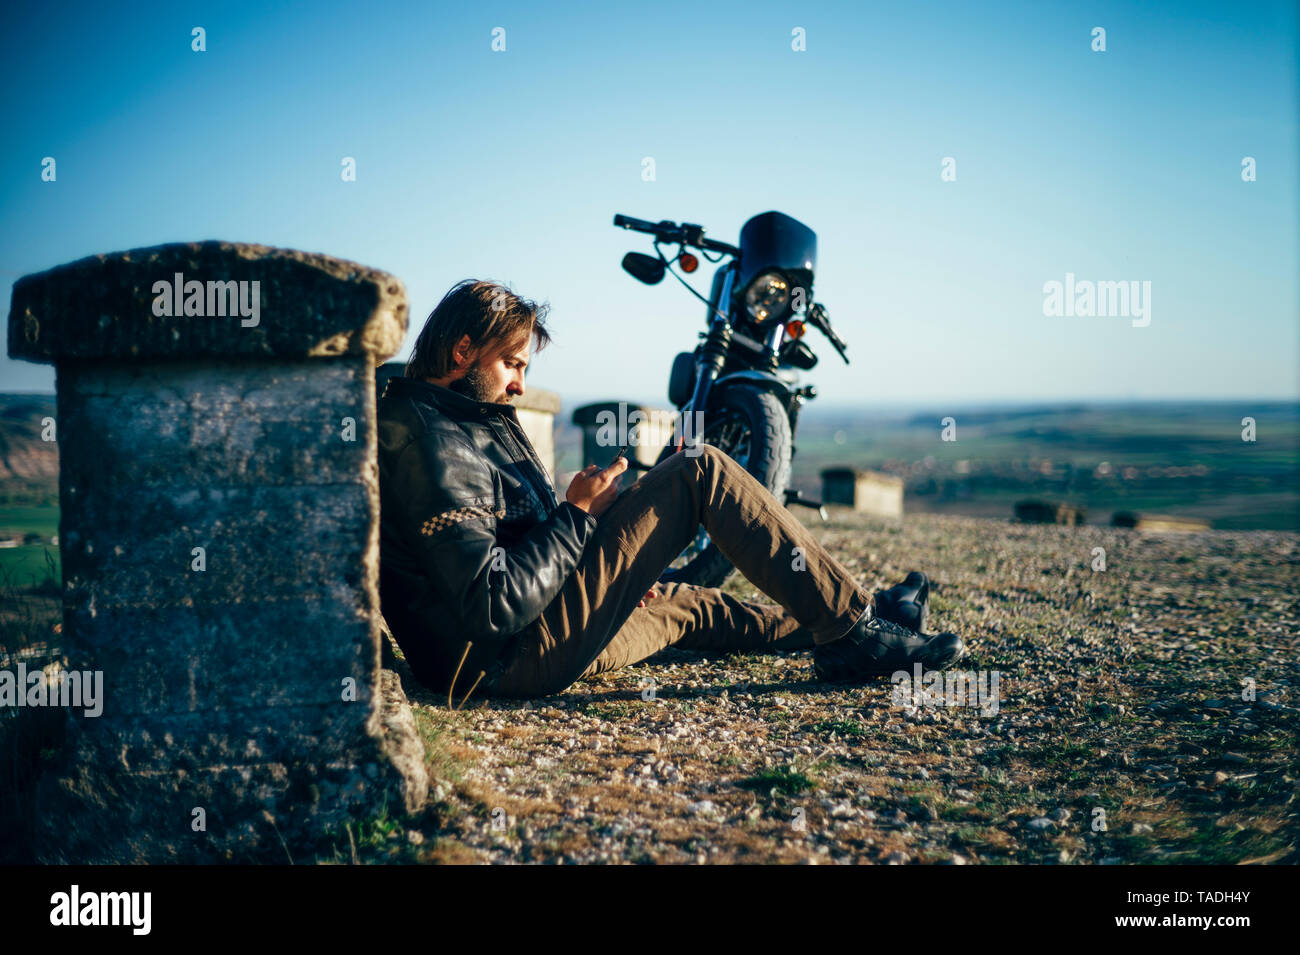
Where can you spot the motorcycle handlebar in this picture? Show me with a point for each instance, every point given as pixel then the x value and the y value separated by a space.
pixel 818 318
pixel 669 231
pixel 636 225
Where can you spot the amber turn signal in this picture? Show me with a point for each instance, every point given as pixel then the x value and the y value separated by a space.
pixel 794 329
pixel 688 262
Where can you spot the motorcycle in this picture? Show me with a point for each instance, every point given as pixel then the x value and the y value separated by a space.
pixel 739 390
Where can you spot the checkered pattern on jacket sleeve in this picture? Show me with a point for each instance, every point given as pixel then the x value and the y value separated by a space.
pixel 458 515
pixel 530 508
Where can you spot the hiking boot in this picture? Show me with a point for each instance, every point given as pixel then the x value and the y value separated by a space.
pixel 906 604
pixel 878 647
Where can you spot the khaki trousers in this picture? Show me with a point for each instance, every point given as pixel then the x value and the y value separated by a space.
pixel 594 624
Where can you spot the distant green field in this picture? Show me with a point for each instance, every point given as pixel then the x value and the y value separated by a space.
pixel 25 566
pixel 1245 485
pixel 1005 454
pixel 1227 512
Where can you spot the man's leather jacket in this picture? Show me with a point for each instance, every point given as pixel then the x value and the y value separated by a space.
pixel 473 544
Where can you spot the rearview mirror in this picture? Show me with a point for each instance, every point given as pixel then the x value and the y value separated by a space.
pixel 644 268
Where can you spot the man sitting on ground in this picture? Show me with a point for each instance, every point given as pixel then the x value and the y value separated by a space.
pixel 488 583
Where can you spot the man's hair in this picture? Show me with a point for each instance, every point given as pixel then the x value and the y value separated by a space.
pixel 489 313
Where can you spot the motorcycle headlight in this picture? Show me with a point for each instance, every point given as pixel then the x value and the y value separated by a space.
pixel 768 297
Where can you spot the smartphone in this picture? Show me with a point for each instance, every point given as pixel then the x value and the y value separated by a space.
pixel 621 452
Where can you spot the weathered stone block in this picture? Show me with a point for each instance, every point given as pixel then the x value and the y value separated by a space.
pixel 608 425
pixel 871 492
pixel 1049 512
pixel 1159 523
pixel 248 685
pixel 104 306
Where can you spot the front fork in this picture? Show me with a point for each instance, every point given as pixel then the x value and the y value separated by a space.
pixel 708 365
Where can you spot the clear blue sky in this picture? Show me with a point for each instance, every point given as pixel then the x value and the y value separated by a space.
pixel 1114 166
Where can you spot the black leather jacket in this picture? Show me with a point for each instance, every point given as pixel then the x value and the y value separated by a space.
pixel 473 544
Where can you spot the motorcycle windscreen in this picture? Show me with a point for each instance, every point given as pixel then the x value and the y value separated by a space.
pixel 774 240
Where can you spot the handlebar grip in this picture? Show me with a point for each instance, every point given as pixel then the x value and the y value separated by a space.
pixel 822 321
pixel 713 245
pixel 638 225
pixel 668 231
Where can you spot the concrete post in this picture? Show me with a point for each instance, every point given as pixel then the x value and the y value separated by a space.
pixel 607 425
pixel 219 534
pixel 871 492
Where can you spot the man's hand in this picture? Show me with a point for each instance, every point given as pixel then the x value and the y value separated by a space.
pixel 650 594
pixel 594 488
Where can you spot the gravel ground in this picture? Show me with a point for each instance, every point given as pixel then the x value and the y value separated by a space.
pixel 1123 730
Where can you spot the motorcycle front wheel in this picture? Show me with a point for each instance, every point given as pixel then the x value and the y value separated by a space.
pixel 751 426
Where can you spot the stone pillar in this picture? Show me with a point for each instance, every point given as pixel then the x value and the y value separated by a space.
pixel 219 513
pixel 871 492
pixel 1159 523
pixel 608 425
pixel 1049 512
pixel 537 409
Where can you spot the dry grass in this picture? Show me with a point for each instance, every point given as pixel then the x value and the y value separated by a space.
pixel 1120 692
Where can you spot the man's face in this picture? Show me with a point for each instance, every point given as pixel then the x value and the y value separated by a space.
pixel 498 377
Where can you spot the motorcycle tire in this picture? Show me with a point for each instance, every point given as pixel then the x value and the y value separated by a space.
pixel 763 421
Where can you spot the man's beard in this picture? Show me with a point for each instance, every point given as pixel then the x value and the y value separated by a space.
pixel 474 384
